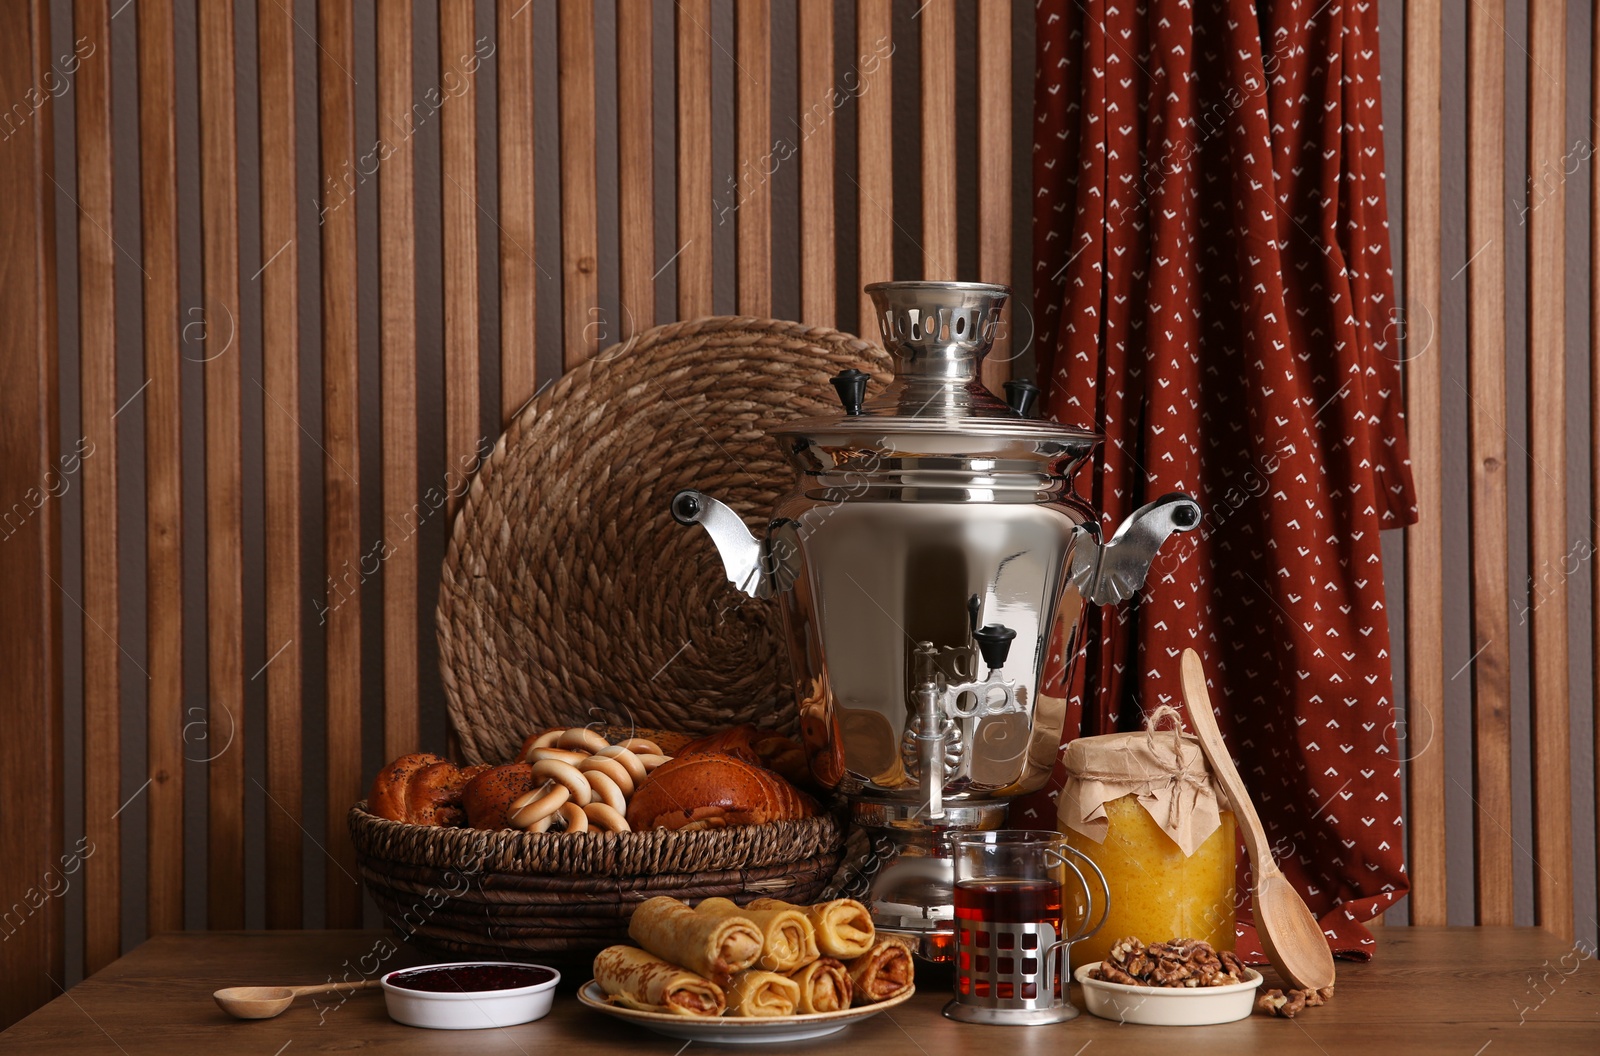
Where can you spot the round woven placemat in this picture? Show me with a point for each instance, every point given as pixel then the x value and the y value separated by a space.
pixel 569 593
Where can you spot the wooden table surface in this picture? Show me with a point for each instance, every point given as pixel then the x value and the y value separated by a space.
pixel 1464 991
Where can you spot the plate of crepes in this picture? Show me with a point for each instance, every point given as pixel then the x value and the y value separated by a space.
pixel 766 972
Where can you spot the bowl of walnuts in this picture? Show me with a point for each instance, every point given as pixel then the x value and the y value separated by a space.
pixel 1182 983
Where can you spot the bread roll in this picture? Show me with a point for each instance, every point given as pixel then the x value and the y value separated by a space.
pixel 715 946
pixel 844 926
pixel 787 937
pixel 634 978
pixel 709 791
pixel 881 973
pixel 488 796
pixel 824 985
pixel 758 993
pixel 419 789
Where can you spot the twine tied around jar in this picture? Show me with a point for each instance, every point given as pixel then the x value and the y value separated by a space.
pixel 1182 772
pixel 1169 779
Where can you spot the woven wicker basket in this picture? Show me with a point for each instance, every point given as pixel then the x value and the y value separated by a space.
pixel 514 896
pixel 570 596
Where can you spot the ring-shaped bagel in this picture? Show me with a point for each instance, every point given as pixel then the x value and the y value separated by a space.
pixel 558 754
pixel 574 817
pixel 652 761
pixel 605 819
pixel 548 737
pixel 578 739
pixel 606 790
pixel 641 746
pixel 532 807
pixel 568 775
pixel 604 764
pixel 636 769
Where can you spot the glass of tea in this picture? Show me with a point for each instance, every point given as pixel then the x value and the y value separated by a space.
pixel 1021 900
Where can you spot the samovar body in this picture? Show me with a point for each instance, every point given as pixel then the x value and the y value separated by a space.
pixel 930 555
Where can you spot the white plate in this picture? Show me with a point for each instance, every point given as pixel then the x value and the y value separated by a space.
pixel 737 1030
pixel 1168 1006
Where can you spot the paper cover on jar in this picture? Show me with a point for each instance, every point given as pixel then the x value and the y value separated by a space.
pixel 1164 769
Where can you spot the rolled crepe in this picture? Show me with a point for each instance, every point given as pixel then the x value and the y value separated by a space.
pixel 712 945
pixel 758 993
pixel 844 927
pixel 788 939
pixel 824 986
pixel 636 979
pixel 881 973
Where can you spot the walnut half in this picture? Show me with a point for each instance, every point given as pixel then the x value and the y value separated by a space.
pixel 1289 1004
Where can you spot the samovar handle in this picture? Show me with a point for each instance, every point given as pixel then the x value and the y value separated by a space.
pixel 1114 571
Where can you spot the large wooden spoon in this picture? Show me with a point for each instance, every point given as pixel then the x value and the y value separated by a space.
pixel 264 1002
pixel 1289 933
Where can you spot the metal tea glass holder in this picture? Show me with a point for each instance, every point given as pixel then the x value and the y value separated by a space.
pixel 1017 973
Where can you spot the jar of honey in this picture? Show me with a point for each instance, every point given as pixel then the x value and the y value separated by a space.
pixel 1144 808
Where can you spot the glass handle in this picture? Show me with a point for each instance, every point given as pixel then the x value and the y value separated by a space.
pixel 1088 896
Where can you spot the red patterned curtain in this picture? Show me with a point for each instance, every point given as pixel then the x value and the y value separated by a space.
pixel 1214 294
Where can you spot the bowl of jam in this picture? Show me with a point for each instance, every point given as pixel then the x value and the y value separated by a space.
pixel 470 995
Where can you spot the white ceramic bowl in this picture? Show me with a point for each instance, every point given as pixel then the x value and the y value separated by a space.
pixel 473 1010
pixel 1168 1006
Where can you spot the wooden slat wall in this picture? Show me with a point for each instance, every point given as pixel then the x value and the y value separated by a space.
pixel 693 252
pixel 753 194
pixel 397 299
pixel 1494 431
pixel 97 370
pixel 580 238
pixel 458 166
pixel 817 249
pixel 213 718
pixel 163 471
pixel 221 745
pixel 31 957
pixel 279 275
pixel 1486 334
pixel 875 166
pixel 1547 473
pixel 939 224
pixel 994 172
pixel 341 435
pixel 636 215
pixel 1594 430
pixel 1424 628
pixel 519 286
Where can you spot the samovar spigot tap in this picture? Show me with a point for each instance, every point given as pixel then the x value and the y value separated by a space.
pixel 940 705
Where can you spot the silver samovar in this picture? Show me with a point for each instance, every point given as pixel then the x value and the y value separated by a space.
pixel 921 564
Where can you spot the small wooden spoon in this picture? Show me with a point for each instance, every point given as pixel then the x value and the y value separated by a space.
pixel 264 1002
pixel 1289 933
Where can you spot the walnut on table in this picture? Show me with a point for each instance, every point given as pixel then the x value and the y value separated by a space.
pixel 1290 1003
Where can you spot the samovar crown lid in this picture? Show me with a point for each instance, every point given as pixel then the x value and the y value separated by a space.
pixel 936 413
pixel 938 334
